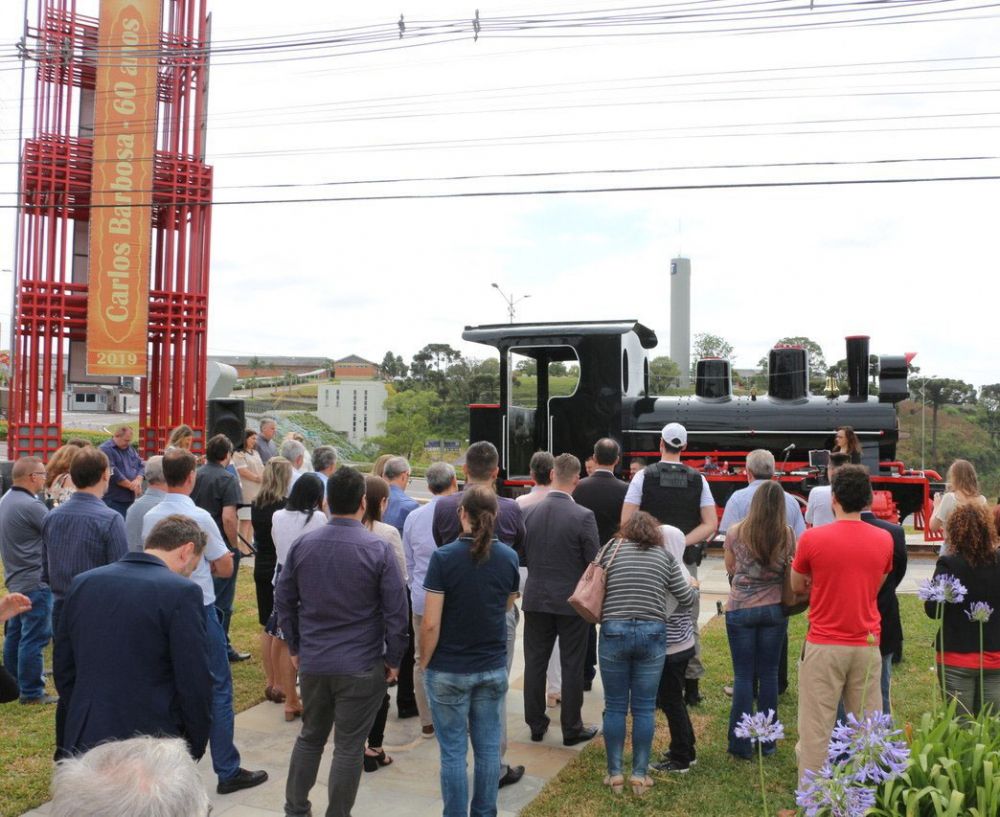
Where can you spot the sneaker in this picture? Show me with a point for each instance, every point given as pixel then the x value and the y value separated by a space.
pixel 672 765
pixel 40 701
pixel 728 690
pixel 513 775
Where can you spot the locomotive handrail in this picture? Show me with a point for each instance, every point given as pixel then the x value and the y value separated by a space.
pixel 826 432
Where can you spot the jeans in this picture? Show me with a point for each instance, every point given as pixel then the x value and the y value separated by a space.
pixel 225 757
pixel 631 659
pixel 225 595
pixel 345 704
pixel 117 505
pixel 25 637
pixel 513 617
pixel 756 635
pixel 468 705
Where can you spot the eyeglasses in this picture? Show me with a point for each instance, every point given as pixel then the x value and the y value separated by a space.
pixel 38 474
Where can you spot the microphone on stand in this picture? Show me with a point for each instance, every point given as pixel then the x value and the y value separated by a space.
pixel 787 450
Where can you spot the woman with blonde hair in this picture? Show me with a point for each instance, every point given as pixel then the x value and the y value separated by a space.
pixel 270 498
pixel 378 467
pixel 963 489
pixel 181 437
pixel 58 485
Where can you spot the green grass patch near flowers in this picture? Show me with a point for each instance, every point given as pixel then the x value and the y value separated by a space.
pixel 719 786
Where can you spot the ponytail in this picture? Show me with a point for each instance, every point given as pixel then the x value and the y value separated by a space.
pixel 480 505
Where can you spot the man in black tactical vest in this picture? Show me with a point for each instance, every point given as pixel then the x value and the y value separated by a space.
pixel 677 495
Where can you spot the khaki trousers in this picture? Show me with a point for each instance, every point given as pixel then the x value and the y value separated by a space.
pixel 423 707
pixel 828 672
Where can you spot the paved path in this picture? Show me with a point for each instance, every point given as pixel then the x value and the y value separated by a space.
pixel 410 785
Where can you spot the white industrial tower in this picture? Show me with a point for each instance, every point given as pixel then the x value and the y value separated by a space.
pixel 680 317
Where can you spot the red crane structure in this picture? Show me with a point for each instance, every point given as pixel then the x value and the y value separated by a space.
pixel 59 198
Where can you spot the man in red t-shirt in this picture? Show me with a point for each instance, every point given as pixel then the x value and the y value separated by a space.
pixel 843 566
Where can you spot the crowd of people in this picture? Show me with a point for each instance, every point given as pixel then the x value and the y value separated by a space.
pixel 361 588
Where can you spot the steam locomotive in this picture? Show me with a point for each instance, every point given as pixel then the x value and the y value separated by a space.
pixel 612 399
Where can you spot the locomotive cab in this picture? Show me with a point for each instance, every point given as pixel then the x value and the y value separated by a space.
pixel 613 364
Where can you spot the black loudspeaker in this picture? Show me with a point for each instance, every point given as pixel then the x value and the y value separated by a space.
pixel 6 475
pixel 227 416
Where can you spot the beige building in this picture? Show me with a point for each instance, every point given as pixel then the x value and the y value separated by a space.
pixel 353 407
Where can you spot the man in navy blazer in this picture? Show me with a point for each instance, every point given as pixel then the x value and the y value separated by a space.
pixel 132 650
pixel 560 541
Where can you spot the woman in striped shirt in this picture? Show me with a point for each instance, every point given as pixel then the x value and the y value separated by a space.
pixel 644 586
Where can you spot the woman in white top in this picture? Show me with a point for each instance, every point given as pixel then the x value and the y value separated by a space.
pixel 250 469
pixel 302 513
pixel 963 489
pixel 376 500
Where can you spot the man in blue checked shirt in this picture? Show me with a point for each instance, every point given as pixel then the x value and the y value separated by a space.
pixel 127 470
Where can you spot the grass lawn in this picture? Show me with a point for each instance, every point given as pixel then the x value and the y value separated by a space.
pixel 719 786
pixel 27 733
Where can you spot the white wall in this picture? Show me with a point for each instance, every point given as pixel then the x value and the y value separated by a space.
pixel 353 407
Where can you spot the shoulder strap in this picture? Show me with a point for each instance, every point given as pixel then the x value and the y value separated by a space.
pixel 615 551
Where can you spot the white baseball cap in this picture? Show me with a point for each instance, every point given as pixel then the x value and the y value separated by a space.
pixel 675 434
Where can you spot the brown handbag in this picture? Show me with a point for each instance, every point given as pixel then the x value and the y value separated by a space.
pixel 588 597
pixel 792 603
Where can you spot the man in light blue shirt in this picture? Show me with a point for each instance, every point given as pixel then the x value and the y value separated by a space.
pixel 760 468
pixel 418 545
pixel 179 475
pixel 397 474
pixel 156 490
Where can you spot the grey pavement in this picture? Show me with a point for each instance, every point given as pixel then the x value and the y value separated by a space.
pixel 410 785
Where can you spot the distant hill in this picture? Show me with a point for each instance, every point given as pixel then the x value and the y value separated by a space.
pixel 959 436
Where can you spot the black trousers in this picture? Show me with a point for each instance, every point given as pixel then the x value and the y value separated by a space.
pixel 670 698
pixel 405 698
pixel 590 665
pixel 8 687
pixel 540 633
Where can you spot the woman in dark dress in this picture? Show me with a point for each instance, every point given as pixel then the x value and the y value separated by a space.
pixel 271 498
pixel 847 442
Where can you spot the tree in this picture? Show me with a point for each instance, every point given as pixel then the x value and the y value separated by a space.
pixel 817 360
pixel 408 424
pixel 663 374
pixel 255 364
pixel 393 366
pixel 707 345
pixel 940 391
pixel 989 404
pixel 527 367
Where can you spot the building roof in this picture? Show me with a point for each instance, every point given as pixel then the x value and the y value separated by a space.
pixel 354 360
pixel 271 361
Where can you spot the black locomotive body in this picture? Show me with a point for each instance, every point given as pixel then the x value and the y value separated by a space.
pixel 612 399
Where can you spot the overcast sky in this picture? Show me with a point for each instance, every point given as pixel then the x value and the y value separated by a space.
pixel 912 265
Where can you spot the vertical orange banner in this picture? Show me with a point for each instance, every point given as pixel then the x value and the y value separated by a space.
pixel 122 185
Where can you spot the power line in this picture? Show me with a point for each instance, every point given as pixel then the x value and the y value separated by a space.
pixel 562 191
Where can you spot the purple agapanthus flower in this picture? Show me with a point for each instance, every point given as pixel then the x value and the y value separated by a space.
pixel 874 749
pixel 761 726
pixel 979 611
pixel 829 791
pixel 943 588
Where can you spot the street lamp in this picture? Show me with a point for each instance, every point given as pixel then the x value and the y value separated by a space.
pixel 509 300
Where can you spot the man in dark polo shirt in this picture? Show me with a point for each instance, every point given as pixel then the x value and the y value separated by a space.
pixel 482 464
pixel 217 491
pixel 341 603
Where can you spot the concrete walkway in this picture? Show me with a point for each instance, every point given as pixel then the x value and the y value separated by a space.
pixel 410 785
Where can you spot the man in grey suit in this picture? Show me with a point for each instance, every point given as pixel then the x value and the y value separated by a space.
pixel 560 540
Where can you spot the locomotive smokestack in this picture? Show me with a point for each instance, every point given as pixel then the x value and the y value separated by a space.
pixel 788 373
pixel 713 379
pixel 857 368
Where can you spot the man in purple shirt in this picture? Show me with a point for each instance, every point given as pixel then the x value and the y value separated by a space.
pixel 341 604
pixel 127 470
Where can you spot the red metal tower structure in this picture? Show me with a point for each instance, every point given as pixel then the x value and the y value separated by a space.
pixel 50 323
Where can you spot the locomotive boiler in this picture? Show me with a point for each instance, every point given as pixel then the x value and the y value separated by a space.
pixel 612 399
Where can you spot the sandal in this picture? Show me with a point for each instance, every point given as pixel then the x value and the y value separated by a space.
pixel 373 762
pixel 274 695
pixel 616 783
pixel 292 714
pixel 640 785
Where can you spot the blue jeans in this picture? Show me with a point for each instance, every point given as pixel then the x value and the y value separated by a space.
pixel 225 757
pixel 225 595
pixel 631 659
pixel 463 706
pixel 25 637
pixel 756 635
pixel 118 505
